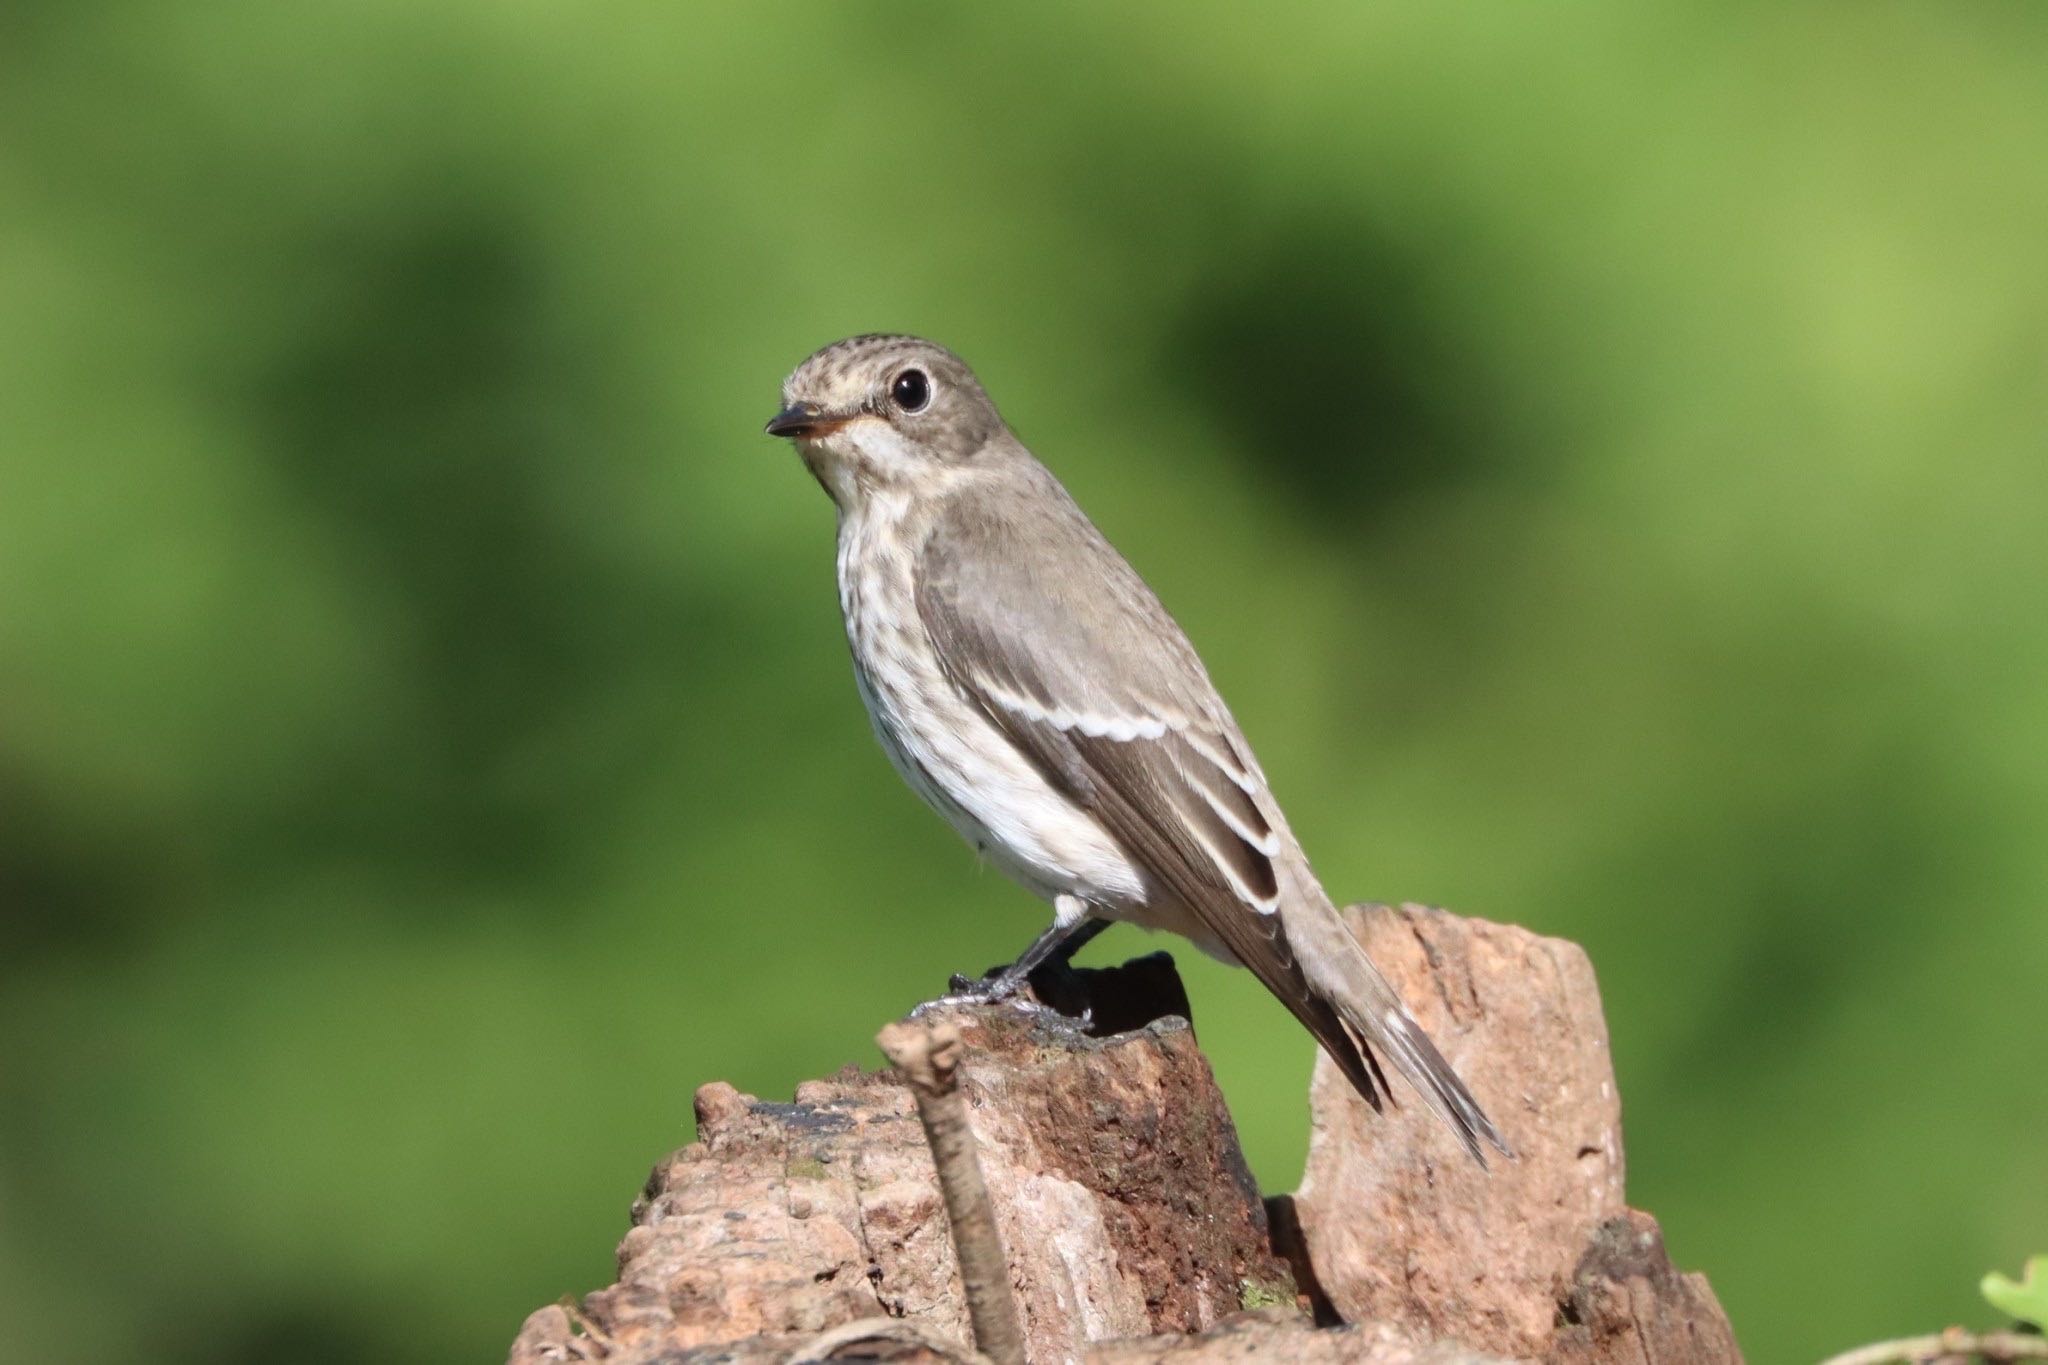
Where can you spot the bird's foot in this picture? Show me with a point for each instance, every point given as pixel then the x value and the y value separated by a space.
pixel 997 988
pixel 992 989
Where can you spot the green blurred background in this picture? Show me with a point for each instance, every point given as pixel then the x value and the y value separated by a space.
pixel 1601 449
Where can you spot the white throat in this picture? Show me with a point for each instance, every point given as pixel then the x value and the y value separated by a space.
pixel 868 457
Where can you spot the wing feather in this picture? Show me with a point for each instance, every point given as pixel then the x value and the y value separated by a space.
pixel 1050 634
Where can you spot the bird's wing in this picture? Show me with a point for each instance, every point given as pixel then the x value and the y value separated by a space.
pixel 1041 624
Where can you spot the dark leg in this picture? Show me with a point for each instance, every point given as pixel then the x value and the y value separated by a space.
pixel 1058 943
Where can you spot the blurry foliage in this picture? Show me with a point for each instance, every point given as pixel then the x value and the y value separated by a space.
pixel 1599 449
pixel 2025 1298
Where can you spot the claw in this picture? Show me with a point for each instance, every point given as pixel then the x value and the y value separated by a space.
pixel 992 989
pixel 998 988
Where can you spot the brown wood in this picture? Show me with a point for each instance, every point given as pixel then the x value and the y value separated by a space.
pixel 1133 1233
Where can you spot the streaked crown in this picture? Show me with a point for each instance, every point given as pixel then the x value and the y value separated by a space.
pixel 876 408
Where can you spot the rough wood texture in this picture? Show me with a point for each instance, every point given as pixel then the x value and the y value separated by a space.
pixel 1538 1256
pixel 926 1053
pixel 1112 1163
pixel 1268 1337
pixel 814 1231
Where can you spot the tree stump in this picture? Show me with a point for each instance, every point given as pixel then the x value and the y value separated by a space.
pixel 1538 1256
pixel 813 1230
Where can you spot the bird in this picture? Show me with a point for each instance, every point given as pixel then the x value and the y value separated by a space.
pixel 1031 688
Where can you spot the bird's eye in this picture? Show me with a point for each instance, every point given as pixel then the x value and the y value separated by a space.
pixel 912 390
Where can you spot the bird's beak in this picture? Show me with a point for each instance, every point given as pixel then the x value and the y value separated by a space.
pixel 804 419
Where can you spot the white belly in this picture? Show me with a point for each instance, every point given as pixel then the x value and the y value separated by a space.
pixel 950 754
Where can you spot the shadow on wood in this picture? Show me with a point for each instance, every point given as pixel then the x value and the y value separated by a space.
pixel 814 1229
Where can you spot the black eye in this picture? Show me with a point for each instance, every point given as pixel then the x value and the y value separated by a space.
pixel 911 390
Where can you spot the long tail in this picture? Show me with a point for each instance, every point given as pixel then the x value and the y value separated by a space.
pixel 1376 1022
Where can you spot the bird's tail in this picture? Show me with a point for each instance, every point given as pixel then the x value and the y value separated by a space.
pixel 1380 1026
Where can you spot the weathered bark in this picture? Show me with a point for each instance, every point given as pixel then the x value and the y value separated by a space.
pixel 1134 1234
pixel 1264 1336
pixel 1537 1256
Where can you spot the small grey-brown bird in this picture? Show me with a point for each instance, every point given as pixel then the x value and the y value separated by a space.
pixel 1029 686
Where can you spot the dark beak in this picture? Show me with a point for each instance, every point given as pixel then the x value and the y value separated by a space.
pixel 803 419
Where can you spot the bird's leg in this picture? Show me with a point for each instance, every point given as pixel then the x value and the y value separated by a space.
pixel 1071 929
pixel 1056 945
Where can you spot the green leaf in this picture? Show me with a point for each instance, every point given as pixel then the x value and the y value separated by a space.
pixel 2026 1298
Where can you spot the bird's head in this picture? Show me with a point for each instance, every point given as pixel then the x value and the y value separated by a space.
pixel 880 411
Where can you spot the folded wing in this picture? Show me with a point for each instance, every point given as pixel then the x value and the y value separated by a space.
pixel 1041 625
